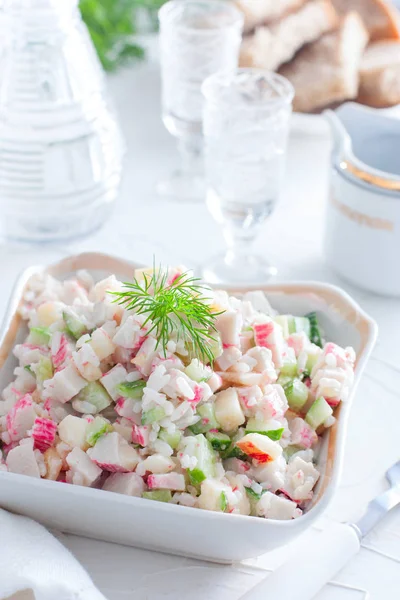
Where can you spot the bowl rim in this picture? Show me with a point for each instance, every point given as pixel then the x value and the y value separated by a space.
pixel 98 261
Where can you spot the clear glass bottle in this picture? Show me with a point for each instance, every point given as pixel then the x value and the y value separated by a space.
pixel 60 145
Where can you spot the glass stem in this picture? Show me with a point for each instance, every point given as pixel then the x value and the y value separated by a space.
pixel 240 244
pixel 190 150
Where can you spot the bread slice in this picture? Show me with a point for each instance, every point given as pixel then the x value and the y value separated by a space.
pixel 276 44
pixel 260 12
pixel 327 71
pixel 380 74
pixel 273 45
pixel 379 17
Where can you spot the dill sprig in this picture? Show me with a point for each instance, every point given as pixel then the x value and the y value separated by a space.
pixel 179 306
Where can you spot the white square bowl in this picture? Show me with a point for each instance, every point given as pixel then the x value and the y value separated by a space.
pixel 167 527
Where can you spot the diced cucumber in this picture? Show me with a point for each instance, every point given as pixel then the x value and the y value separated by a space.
pixel 207 421
pixel 311 361
pixel 74 325
pixel 132 389
pixel 219 441
pixel 283 321
pixel 153 415
pixel 172 439
pixel 198 428
pixel 95 394
pixel 297 324
pixel 284 380
pixel 206 457
pixel 318 412
pixel 39 336
pixel 215 346
pixel 159 495
pixel 289 367
pixel 28 368
pixel 43 369
pixel 223 502
pixel 315 332
pixel 312 358
pixel 96 429
pixel 197 371
pixel 290 450
pixel 291 324
pixel 296 393
pixel 301 324
pixel 255 426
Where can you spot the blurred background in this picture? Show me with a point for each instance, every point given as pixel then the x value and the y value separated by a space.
pixel 114 26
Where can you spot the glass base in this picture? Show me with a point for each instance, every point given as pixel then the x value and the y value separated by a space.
pixel 183 187
pixel 67 227
pixel 243 270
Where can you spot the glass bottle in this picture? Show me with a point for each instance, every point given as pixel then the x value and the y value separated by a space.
pixel 60 144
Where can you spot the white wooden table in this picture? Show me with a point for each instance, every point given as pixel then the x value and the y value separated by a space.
pixel 142 226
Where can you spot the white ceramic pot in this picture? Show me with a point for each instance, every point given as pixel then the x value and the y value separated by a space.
pixel 362 240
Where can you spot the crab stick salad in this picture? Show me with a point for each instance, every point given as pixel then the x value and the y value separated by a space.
pixel 166 390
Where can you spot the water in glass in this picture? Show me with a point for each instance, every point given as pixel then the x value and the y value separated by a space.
pixel 246 119
pixel 197 38
pixel 60 145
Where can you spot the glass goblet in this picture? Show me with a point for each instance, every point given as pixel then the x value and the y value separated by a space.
pixel 245 125
pixel 197 38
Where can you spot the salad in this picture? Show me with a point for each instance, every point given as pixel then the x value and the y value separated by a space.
pixel 167 390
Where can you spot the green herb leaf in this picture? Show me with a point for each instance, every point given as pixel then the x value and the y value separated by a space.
pixel 113 25
pixel 252 494
pixel 273 434
pixel 178 307
pixel 196 476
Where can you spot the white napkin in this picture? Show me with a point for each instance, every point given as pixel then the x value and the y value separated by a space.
pixel 31 558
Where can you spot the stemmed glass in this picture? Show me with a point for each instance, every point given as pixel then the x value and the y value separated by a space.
pixel 245 124
pixel 197 38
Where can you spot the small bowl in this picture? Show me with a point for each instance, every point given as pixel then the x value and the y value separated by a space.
pixel 166 527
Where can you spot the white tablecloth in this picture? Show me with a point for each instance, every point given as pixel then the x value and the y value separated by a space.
pixel 144 226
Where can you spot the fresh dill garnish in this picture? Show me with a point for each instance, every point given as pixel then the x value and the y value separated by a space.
pixel 178 306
